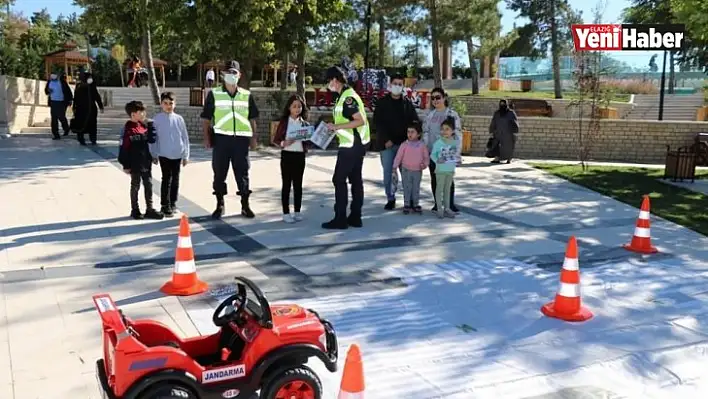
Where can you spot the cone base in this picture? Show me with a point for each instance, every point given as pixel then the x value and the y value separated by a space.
pixel 198 287
pixel 646 251
pixel 582 314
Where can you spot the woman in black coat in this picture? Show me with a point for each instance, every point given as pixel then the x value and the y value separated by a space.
pixel 87 102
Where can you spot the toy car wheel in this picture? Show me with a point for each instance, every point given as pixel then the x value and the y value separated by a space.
pixel 167 390
pixel 295 383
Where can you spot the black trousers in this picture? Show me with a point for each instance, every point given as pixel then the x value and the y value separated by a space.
pixel 434 184
pixel 135 178
pixel 292 169
pixel 169 190
pixel 91 128
pixel 349 164
pixel 230 151
pixel 57 113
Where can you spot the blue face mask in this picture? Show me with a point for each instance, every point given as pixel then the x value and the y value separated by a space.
pixel 231 79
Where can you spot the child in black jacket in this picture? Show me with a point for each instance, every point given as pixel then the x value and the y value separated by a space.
pixel 134 155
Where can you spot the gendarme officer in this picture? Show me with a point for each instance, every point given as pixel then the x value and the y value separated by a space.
pixel 352 128
pixel 229 127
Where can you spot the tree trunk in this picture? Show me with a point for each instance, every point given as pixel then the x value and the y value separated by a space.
pixel 284 76
pixel 301 52
pixel 382 42
pixel 246 72
pixel 473 66
pixel 179 64
pixel 555 52
pixel 147 54
pixel 435 44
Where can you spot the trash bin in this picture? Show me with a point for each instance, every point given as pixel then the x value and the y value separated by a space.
pixel 700 147
pixel 680 164
pixel 196 97
pixel 466 142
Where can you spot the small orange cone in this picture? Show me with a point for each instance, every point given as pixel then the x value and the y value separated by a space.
pixel 184 277
pixel 641 240
pixel 353 377
pixel 567 304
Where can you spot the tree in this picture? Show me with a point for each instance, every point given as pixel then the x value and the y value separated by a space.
pixel 553 19
pixel 524 45
pixel 470 20
pixel 435 41
pixel 694 14
pixel 243 30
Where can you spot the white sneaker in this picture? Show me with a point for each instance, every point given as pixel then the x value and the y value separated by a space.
pixel 288 218
pixel 297 216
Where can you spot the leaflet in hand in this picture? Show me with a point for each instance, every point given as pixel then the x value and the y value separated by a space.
pixel 322 136
pixel 303 133
pixel 448 155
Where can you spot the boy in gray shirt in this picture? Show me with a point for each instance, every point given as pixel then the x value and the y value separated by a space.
pixel 171 148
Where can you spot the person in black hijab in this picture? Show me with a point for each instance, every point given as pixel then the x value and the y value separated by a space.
pixel 87 103
pixel 504 128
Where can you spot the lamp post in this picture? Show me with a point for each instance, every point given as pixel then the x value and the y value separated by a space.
pixel 661 92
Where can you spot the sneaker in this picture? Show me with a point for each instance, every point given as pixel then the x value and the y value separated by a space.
pixel 440 214
pixel 454 209
pixel 449 214
pixel 297 216
pixel 417 209
pixel 173 208
pixel 434 208
pixel 406 210
pixel 135 214
pixel 167 211
pixel 288 218
pixel 390 205
pixel 150 213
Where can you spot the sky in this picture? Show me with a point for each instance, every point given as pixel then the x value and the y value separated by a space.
pixel 611 14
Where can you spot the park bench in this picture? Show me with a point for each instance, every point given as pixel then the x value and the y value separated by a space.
pixel 531 107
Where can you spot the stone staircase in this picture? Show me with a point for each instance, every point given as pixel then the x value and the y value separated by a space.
pixel 677 107
pixel 109 124
pixel 123 95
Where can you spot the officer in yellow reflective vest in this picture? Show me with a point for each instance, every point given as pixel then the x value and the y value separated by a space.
pixel 352 129
pixel 229 127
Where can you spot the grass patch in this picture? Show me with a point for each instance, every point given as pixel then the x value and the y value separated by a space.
pixel 629 184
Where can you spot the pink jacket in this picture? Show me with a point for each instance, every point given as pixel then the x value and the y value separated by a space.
pixel 413 155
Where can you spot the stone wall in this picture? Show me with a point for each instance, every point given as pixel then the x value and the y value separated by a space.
pixel 24 104
pixel 543 138
pixel 561 108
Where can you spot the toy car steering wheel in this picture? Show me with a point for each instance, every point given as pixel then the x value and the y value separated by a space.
pixel 230 314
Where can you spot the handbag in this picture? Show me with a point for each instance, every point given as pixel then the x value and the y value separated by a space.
pixel 492 148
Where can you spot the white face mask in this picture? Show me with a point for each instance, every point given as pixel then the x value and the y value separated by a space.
pixel 52 76
pixel 89 80
pixel 396 90
pixel 332 87
pixel 231 79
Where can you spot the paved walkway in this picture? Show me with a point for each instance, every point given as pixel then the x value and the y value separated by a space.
pixel 66 235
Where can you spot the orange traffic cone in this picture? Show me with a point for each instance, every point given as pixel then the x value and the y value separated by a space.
pixel 353 377
pixel 641 240
pixel 184 277
pixel 567 304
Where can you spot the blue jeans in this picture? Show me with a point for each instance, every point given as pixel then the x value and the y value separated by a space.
pixel 387 157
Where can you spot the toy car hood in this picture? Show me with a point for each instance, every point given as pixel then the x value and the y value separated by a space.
pixel 293 318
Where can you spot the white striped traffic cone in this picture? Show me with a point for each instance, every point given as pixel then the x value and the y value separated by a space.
pixel 184 277
pixel 567 305
pixel 641 240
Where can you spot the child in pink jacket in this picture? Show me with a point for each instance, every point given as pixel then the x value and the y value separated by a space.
pixel 414 158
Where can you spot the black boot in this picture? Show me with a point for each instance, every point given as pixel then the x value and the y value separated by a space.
pixel 336 224
pixel 354 221
pixel 220 208
pixel 246 209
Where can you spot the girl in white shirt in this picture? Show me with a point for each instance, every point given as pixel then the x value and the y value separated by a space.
pixel 292 156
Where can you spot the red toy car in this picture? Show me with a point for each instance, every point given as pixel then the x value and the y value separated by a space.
pixel 258 347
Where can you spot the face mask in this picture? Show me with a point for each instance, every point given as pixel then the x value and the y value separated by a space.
pixel 89 80
pixel 332 87
pixel 230 79
pixel 53 77
pixel 396 90
pixel 502 107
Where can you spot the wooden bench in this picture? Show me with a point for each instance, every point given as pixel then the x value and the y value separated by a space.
pixel 531 107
